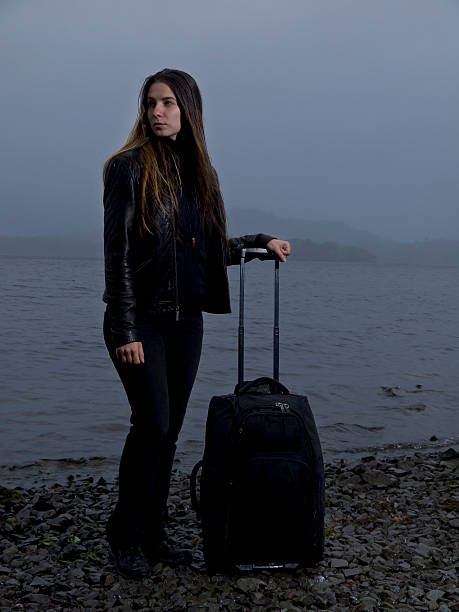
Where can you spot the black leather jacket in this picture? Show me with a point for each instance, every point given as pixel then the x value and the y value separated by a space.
pixel 141 273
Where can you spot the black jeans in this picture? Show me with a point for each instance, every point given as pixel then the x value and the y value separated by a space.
pixel 158 392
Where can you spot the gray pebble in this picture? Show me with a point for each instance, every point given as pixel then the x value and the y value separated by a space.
pixel 39 598
pixel 352 571
pixel 249 584
pixel 423 551
pixel 434 595
pixel 61 522
pixel 339 563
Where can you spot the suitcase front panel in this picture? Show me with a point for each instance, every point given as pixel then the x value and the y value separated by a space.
pixel 268 430
pixel 269 511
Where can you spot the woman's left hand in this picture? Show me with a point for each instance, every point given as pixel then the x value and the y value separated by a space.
pixel 280 247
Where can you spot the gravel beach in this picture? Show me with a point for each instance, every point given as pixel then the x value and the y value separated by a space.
pixel 391 544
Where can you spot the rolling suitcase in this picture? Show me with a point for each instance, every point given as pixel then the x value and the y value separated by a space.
pixel 261 493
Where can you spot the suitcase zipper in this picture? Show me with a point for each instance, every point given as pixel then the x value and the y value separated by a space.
pixel 284 407
pixel 269 411
pixel 266 411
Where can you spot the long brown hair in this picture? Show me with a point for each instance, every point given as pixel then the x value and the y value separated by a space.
pixel 160 176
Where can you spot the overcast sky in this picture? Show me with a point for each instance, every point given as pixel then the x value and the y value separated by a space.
pixel 321 109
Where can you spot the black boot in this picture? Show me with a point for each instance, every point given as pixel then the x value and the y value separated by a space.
pixel 131 562
pixel 166 552
pixel 160 548
pixel 127 553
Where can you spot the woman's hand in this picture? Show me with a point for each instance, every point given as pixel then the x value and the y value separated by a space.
pixel 280 247
pixel 131 353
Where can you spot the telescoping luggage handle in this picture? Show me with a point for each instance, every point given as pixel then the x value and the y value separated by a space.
pixel 247 255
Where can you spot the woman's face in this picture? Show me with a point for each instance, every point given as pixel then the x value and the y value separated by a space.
pixel 163 111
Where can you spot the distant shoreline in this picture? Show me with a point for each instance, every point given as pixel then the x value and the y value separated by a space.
pixel 434 252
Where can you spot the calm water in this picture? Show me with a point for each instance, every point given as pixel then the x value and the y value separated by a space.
pixel 346 331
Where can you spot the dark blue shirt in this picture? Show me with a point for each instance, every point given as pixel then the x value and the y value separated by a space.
pixel 191 248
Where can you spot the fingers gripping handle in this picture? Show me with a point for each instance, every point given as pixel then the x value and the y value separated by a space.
pixel 247 255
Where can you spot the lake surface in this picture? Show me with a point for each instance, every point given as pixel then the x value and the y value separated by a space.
pixel 347 330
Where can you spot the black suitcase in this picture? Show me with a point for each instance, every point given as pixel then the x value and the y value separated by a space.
pixel 261 493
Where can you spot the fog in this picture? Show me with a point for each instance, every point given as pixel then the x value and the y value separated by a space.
pixel 324 110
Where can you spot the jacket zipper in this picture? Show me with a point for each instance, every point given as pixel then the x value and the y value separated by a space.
pixel 177 308
pixel 142 265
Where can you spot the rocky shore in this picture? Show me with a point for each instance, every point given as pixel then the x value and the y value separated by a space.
pixel 391 540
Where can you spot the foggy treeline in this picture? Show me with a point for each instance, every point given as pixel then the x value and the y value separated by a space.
pixel 311 241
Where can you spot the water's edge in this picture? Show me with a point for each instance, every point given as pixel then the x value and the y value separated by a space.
pixel 50 471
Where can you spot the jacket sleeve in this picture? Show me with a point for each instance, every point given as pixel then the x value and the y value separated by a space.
pixel 119 227
pixel 235 245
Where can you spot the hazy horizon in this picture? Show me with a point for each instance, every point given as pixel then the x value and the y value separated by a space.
pixel 293 228
pixel 96 233
pixel 342 111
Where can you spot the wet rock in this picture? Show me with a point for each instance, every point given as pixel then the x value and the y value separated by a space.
pixel 405 566
pixel 368 459
pixel 449 454
pixel 367 604
pixel 423 551
pixel 76 574
pixel 249 584
pixel 418 407
pixel 5 604
pixel 43 567
pixel 434 595
pixel 9 554
pixel 91 604
pixel 415 591
pixel 399 471
pixel 42 503
pixel 41 583
pixel 377 478
pixel 72 551
pixel 339 563
pixel 61 522
pixel 351 572
pixel 22 517
pixel 393 391
pixel 38 598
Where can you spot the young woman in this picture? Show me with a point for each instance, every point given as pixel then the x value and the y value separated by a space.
pixel 166 253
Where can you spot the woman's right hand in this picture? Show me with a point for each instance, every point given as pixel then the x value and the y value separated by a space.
pixel 131 353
